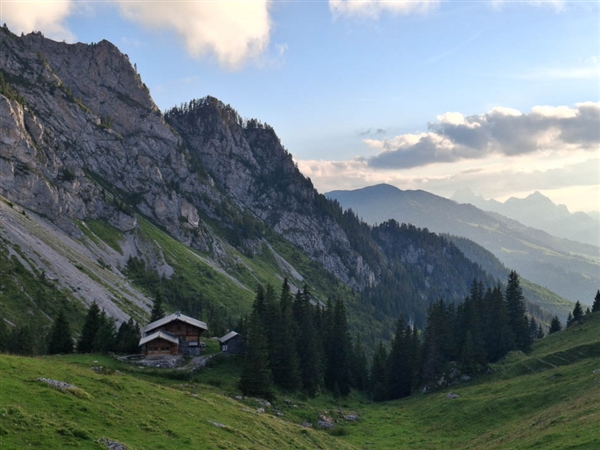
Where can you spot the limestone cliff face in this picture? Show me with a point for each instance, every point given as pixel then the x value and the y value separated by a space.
pixel 83 139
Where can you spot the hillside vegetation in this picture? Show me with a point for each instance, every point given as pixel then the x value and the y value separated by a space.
pixel 547 399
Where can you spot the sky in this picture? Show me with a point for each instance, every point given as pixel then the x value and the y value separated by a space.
pixel 501 97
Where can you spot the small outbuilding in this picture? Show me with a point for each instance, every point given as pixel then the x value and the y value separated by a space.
pixel 172 335
pixel 233 343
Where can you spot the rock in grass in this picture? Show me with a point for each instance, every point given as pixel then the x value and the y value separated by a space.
pixel 217 424
pixel 112 445
pixel 452 395
pixel 325 424
pixel 57 384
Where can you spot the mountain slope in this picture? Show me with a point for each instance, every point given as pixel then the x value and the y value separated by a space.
pixel 198 203
pixel 570 269
pixel 538 211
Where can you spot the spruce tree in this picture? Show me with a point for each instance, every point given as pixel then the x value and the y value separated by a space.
pixel 515 307
pixel 105 338
pixel 286 372
pixel 256 378
pixel 158 311
pixel 128 337
pixel 4 336
pixel 498 336
pixel 401 367
pixel 308 344
pixel 569 319
pixel 596 305
pixel 577 313
pixel 90 327
pixel 555 325
pixel 378 378
pixel 21 341
pixel 60 339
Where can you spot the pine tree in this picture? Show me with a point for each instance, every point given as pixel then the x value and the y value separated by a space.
pixel 286 372
pixel 596 305
pixel 128 337
pixel 378 378
pixel 540 333
pixel 21 341
pixel 157 308
pixel 569 319
pixel 4 336
pixel 515 307
pixel 555 325
pixel 256 378
pixel 338 351
pixel 577 313
pixel 308 344
pixel 358 368
pixel 105 338
pixel 401 366
pixel 498 336
pixel 60 339
pixel 88 332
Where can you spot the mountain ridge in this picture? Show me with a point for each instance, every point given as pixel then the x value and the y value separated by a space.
pixel 565 267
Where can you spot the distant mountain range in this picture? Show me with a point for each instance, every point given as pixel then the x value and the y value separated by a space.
pixel 538 211
pixel 569 268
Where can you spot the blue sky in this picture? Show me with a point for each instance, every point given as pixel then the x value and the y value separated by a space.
pixel 501 97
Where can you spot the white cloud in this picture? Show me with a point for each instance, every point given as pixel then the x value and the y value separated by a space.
pixel 373 8
pixel 501 131
pixel 45 16
pixel 234 31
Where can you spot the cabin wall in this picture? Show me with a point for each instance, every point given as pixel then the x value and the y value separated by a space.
pixel 160 347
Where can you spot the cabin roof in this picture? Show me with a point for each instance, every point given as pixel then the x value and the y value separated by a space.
pixel 159 335
pixel 229 336
pixel 171 318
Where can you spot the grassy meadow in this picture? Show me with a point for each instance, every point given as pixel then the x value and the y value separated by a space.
pixel 549 399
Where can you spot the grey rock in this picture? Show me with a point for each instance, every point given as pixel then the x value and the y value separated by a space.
pixel 452 395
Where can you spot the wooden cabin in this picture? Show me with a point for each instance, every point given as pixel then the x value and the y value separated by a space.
pixel 172 335
pixel 233 342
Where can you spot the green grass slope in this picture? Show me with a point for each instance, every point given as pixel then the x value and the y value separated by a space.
pixel 549 399
pixel 131 409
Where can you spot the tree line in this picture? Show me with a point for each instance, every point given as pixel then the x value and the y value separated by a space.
pixel 297 344
pixel 98 334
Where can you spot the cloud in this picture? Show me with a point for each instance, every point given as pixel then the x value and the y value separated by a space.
pixel 373 8
pixel 234 31
pixel 501 131
pixel 558 5
pixel 46 16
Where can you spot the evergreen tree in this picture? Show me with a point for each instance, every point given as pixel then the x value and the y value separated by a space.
pixel 256 378
pixel 569 319
pixel 577 313
pixel 498 336
pixel 596 305
pixel 358 368
pixel 378 378
pixel 21 341
pixel 401 367
pixel 105 338
pixel 128 337
pixel 88 332
pixel 555 325
pixel 286 371
pixel 158 311
pixel 4 336
pixel 515 307
pixel 60 339
pixel 308 344
pixel 540 333
pixel 338 349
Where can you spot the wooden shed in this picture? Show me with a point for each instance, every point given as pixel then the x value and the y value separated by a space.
pixel 233 342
